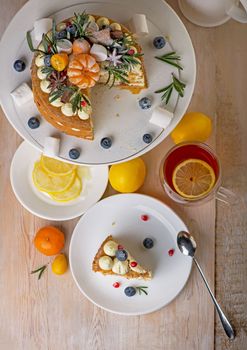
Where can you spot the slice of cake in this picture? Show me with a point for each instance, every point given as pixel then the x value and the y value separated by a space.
pixel 113 259
pixel 72 58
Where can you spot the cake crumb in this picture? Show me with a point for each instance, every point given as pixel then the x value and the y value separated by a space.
pixel 117 97
pixel 113 223
pixel 117 115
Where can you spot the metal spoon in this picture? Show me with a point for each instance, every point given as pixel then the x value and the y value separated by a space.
pixel 187 246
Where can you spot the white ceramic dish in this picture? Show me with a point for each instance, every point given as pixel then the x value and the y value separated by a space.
pixel 40 204
pixel 119 215
pixel 120 118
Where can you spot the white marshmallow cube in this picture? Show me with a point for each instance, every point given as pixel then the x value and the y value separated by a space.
pixel 138 25
pixel 161 117
pixel 42 26
pixel 22 95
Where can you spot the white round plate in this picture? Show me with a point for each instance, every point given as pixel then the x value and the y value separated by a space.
pixel 120 216
pixel 116 112
pixel 40 204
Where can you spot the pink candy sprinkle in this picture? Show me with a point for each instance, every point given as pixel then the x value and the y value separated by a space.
pixel 171 252
pixel 145 217
pixel 116 285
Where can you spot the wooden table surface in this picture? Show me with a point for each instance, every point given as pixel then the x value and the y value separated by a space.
pixel 52 314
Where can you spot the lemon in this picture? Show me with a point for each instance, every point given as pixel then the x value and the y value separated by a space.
pixel 59 264
pixel 71 193
pixel 56 167
pixel 129 176
pixel 193 178
pixel 193 127
pixel 49 183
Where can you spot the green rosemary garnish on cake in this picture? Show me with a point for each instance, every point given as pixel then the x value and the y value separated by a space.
pixel 40 270
pixel 118 73
pixel 131 59
pixel 171 58
pixel 30 44
pixel 76 101
pixel 81 22
pixel 176 84
pixel 47 70
pixel 141 290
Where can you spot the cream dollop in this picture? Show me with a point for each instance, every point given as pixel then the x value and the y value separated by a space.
pixel 120 267
pixel 57 103
pixel 83 115
pixel 105 263
pixel 110 248
pixel 44 85
pixel 40 74
pixel 67 109
pixel 39 61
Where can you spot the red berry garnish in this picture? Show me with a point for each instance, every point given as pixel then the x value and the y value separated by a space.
pixel 68 23
pixel 131 52
pixel 83 103
pixel 133 264
pixel 120 247
pixel 144 217
pixel 171 252
pixel 116 285
pixel 49 49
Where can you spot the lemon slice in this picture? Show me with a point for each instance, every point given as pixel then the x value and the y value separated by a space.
pixel 48 183
pixel 71 193
pixel 84 172
pixel 193 178
pixel 56 167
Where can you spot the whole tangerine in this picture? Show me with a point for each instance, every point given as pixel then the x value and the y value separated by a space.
pixel 49 240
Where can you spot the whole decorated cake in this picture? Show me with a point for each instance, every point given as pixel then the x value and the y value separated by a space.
pixel 72 58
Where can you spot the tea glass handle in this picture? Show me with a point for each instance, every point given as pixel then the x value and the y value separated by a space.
pixel 238 13
pixel 226 196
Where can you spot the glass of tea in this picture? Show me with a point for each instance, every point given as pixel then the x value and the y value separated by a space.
pixel 191 173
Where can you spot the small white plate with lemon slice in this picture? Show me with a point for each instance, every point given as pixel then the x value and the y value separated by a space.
pixel 85 184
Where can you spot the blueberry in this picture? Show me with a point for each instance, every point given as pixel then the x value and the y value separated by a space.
pixel 147 138
pixel 61 35
pixel 159 42
pixel 71 29
pixel 145 103
pixel 106 142
pixel 19 65
pixel 47 60
pixel 130 291
pixel 121 255
pixel 33 123
pixel 148 243
pixel 74 153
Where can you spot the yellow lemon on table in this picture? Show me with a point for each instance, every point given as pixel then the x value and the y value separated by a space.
pixel 129 176
pixel 59 264
pixel 193 127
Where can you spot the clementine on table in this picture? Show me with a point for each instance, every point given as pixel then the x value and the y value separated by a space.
pixel 49 240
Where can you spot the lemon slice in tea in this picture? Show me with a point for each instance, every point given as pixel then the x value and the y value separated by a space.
pixel 193 178
pixel 56 167
pixel 49 183
pixel 71 193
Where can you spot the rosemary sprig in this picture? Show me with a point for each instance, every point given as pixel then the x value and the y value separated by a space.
pixel 131 60
pixel 117 73
pixel 30 44
pixel 81 22
pixel 176 84
pixel 47 70
pixel 53 31
pixel 48 43
pixel 142 289
pixel 40 270
pixel 171 58
pixel 76 100
pixel 57 93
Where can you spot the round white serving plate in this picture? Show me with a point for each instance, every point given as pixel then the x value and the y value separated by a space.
pixel 119 216
pixel 116 112
pixel 40 204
